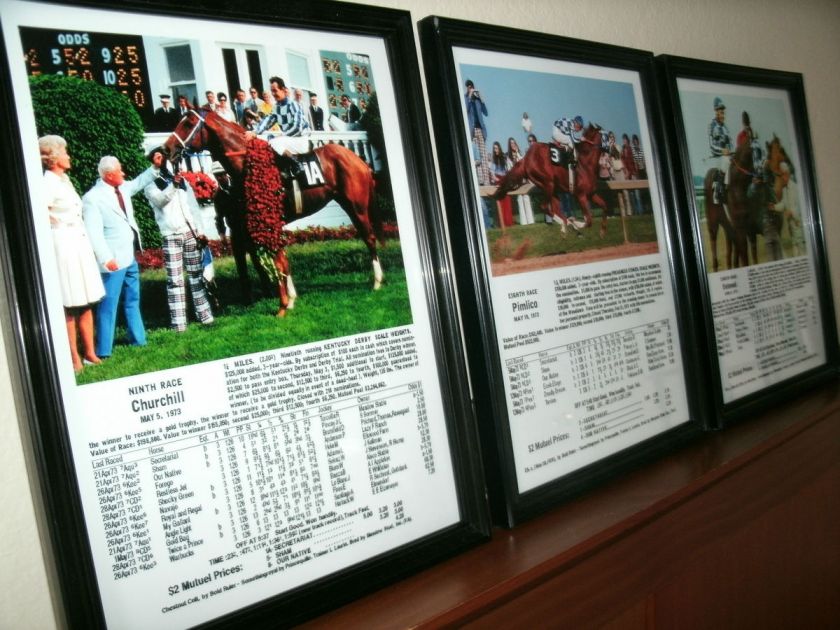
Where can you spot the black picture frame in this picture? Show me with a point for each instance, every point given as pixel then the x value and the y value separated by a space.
pixel 764 242
pixel 481 315
pixel 44 386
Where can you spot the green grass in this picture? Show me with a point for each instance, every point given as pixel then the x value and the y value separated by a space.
pixel 336 299
pixel 547 240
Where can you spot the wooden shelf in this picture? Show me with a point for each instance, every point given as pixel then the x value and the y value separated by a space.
pixel 738 529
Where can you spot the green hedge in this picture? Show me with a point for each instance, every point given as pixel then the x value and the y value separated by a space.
pixel 95 121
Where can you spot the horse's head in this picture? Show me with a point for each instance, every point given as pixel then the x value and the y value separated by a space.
pixel 743 156
pixel 189 135
pixel 592 141
pixel 775 151
pixel 593 133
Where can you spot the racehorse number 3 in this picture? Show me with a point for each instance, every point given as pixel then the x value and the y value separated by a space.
pixel 540 167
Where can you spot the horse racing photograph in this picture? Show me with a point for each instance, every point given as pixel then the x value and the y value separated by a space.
pixel 561 162
pixel 212 195
pixel 744 169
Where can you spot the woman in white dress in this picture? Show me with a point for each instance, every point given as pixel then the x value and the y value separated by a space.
pixel 78 272
pixel 223 110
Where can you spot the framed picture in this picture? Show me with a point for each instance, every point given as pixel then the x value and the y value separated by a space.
pixel 745 176
pixel 216 442
pixel 569 279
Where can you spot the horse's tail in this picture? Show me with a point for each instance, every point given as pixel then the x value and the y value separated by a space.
pixel 513 179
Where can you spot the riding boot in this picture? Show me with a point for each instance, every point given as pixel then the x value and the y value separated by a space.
pixel 293 166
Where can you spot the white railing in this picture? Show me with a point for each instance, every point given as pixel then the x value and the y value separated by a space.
pixel 356 141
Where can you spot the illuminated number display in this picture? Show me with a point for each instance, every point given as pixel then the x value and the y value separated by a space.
pixel 113 60
pixel 347 73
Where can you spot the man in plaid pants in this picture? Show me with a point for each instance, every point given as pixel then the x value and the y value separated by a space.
pixel 173 200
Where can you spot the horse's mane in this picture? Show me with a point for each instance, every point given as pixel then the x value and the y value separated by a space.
pixel 744 152
pixel 592 135
pixel 223 122
pixel 592 130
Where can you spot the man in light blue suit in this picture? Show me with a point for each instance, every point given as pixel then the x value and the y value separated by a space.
pixel 115 236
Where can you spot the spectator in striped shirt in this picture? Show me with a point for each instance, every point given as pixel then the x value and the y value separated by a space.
pixel 639 158
pixel 641 172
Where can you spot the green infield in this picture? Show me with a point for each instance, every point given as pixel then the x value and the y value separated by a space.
pixel 334 283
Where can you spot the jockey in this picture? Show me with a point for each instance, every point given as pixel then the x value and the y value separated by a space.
pixel 567 133
pixel 293 125
pixel 720 143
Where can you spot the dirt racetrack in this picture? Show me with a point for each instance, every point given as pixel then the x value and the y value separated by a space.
pixel 627 250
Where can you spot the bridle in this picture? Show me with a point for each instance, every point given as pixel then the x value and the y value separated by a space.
pixel 186 141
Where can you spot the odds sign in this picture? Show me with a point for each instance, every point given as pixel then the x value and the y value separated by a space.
pixel 113 60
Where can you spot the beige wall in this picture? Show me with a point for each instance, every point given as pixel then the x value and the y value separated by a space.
pixel 780 34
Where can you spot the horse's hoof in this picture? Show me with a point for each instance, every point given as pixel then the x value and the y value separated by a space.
pixel 281 312
pixel 291 305
pixel 377 285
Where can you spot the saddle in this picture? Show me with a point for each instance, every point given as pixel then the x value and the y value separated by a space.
pixel 303 173
pixel 305 169
pixel 560 155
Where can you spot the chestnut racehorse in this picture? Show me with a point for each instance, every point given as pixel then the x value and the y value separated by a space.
pixel 348 180
pixel 552 179
pixel 747 193
pixel 717 218
pixel 745 205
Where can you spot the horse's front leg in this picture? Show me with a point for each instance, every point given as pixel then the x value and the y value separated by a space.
pixel 556 214
pixel 361 221
pixel 291 292
pixel 587 213
pixel 378 276
pixel 603 205
pixel 281 264
pixel 729 232
pixel 741 247
pixel 370 241
pixel 713 230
